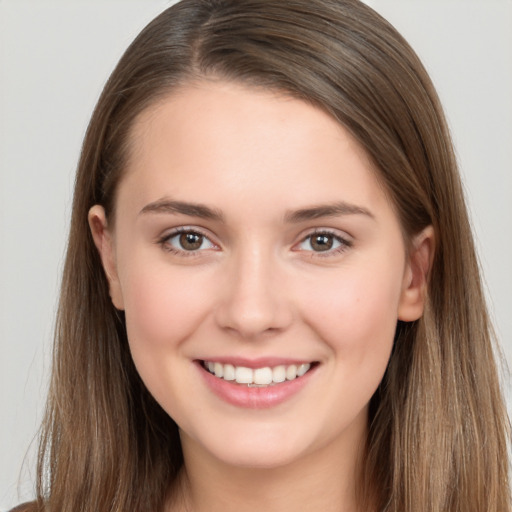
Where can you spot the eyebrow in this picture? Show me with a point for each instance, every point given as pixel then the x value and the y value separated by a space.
pixel 184 208
pixel 326 210
pixel 295 216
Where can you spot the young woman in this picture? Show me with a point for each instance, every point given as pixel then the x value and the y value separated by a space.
pixel 271 298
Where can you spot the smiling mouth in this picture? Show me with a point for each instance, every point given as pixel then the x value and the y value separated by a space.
pixel 257 377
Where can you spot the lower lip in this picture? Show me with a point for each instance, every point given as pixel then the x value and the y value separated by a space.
pixel 242 395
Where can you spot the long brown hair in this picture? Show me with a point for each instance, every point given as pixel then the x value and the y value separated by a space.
pixel 438 429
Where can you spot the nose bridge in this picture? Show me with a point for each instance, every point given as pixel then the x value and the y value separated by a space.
pixel 255 301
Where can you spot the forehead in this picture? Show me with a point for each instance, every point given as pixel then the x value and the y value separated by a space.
pixel 213 136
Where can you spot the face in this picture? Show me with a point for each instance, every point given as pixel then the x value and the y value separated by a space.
pixel 262 271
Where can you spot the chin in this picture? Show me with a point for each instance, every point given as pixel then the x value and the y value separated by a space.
pixel 257 447
pixel 257 458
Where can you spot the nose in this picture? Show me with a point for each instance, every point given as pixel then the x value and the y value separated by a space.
pixel 255 299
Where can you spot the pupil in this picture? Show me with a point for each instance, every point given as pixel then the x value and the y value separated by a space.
pixel 322 242
pixel 191 241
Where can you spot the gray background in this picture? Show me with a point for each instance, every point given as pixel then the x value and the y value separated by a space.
pixel 55 57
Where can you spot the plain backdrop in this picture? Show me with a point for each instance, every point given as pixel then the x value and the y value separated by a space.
pixel 54 58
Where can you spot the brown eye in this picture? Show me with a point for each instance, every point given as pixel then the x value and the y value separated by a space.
pixel 188 241
pixel 322 242
pixel 191 241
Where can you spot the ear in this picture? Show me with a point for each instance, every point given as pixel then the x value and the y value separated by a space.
pixel 416 276
pixel 103 239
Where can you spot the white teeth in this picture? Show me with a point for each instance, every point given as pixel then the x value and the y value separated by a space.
pixel 263 375
pixel 218 368
pixel 260 376
pixel 279 374
pixel 302 369
pixel 244 375
pixel 229 372
pixel 291 372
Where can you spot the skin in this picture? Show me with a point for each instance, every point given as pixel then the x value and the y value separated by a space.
pixel 258 287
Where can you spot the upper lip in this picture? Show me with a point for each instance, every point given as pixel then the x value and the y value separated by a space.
pixel 260 362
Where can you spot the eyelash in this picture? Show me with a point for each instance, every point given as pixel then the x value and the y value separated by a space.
pixel 344 244
pixel 164 242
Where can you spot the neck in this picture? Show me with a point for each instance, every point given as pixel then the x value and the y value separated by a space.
pixel 324 480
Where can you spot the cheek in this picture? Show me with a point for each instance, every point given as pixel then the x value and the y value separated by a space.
pixel 356 320
pixel 357 316
pixel 162 307
pixel 162 311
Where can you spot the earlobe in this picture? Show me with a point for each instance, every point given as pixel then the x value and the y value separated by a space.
pixel 103 240
pixel 416 276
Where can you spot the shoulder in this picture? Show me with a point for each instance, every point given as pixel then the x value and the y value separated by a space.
pixel 25 507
